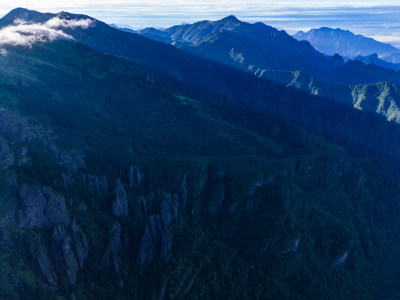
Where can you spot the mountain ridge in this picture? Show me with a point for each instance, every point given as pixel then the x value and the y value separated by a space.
pixel 346 43
pixel 122 179
pixel 148 193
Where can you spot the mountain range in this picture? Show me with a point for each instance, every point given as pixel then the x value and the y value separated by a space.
pixel 345 43
pixel 274 55
pixel 154 166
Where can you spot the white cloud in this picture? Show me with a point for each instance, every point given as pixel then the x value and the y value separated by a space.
pixel 57 22
pixel 26 34
pixel 389 39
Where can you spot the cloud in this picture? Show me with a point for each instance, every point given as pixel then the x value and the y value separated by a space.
pixel 64 23
pixel 26 34
pixel 390 39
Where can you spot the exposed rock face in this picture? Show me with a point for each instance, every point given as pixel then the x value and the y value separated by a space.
pixel 382 98
pixel 135 177
pixel 143 205
pixel 72 159
pixel 251 189
pixel 22 156
pixel 15 128
pixel 70 248
pixel 96 184
pixel 169 208
pixel 294 246
pixel 236 56
pixel 339 167
pixel 341 260
pixel 67 179
pixel 7 157
pixel 46 267
pixel 40 207
pixel 120 204
pixel 8 200
pixel 156 241
pixel 110 258
pixel 70 260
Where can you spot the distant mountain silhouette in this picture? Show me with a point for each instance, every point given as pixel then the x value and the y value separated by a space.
pixel 347 44
pixel 133 169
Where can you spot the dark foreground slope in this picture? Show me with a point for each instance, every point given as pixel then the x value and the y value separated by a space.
pixel 114 186
pixel 212 82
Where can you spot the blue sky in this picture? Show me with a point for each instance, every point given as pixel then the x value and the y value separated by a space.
pixel 364 17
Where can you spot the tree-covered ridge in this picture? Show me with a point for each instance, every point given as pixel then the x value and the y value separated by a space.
pixel 116 185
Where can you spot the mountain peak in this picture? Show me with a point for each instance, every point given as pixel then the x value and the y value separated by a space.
pixel 231 19
pixel 20 12
pixel 24 14
pixel 344 42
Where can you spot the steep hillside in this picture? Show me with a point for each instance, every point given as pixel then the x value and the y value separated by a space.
pixel 264 50
pixel 225 83
pixel 115 186
pixel 383 98
pixel 250 46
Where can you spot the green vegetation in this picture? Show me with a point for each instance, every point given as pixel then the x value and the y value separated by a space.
pixel 264 209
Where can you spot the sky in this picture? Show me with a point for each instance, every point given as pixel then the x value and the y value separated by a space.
pixel 381 22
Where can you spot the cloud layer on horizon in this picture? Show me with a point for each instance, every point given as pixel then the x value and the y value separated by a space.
pixel 23 33
pixel 369 18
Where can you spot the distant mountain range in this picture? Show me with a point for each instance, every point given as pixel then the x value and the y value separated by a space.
pixel 272 54
pixel 373 59
pixel 345 43
pixel 124 28
pixel 215 160
pixel 225 76
pixel 254 47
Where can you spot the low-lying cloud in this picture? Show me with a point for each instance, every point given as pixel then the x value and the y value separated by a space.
pixel 23 33
pixel 64 23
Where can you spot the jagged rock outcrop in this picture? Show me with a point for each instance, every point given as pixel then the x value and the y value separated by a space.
pixel 169 208
pixel 33 246
pixel 22 156
pixel 7 157
pixel 15 128
pixel 294 246
pixel 67 179
pixel 72 159
pixel 341 260
pixel 251 189
pixel 70 249
pixel 382 98
pixel 46 267
pixel 339 167
pixel 40 207
pixel 8 200
pixel 120 204
pixel 96 184
pixel 156 241
pixel 111 258
pixel 135 176
pixel 143 205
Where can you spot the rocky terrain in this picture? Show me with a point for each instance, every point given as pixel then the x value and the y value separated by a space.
pixel 118 182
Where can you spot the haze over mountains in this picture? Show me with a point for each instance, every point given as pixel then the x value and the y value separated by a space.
pixel 345 43
pixel 223 160
pixel 272 54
